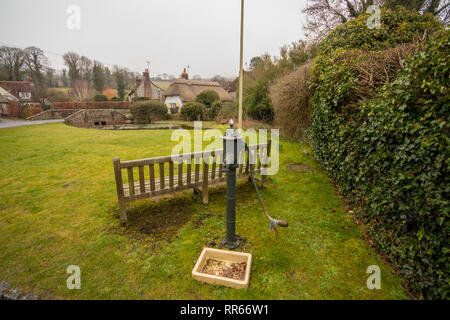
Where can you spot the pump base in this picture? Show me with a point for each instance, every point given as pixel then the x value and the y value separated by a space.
pixel 237 244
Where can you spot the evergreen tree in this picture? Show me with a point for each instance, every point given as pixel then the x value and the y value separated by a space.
pixel 98 77
pixel 119 76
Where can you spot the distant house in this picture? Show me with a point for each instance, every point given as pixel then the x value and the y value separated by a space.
pixel 185 90
pixel 232 87
pixel 7 100
pixel 145 88
pixel 22 90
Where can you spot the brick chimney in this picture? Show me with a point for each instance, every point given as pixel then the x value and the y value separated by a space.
pixel 147 84
pixel 184 75
pixel 146 75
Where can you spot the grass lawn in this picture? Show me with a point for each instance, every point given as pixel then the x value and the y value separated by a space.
pixel 58 207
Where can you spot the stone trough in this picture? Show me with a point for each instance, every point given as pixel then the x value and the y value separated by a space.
pixel 227 258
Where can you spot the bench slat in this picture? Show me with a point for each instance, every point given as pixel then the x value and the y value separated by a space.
pixel 141 179
pixel 151 168
pixel 131 180
pixel 171 174
pixel 161 175
pixel 180 174
pixel 188 172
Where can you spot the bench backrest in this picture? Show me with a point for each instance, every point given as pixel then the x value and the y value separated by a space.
pixel 197 170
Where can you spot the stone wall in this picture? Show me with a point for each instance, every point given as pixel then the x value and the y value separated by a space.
pixel 96 118
pixel 53 114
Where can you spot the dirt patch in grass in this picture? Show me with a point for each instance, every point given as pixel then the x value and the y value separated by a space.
pixel 298 167
pixel 157 221
pixel 160 221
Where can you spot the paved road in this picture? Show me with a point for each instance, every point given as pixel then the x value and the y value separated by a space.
pixel 9 123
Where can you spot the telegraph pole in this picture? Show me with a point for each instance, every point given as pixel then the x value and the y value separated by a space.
pixel 241 71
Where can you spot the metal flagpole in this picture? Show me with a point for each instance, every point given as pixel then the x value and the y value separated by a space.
pixel 241 71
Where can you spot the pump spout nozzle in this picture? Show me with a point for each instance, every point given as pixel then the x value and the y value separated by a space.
pixel 282 223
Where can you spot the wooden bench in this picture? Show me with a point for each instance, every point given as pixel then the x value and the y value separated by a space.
pixel 184 173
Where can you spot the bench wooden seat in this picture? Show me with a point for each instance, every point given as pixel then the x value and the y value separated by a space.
pixel 196 173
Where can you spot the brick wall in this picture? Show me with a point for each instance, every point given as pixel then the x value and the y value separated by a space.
pixel 92 105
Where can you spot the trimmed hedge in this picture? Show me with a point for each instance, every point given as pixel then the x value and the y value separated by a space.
pixel 148 111
pixel 92 105
pixel 389 153
pixel 193 111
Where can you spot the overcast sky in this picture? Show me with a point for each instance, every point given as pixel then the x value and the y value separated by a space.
pixel 169 33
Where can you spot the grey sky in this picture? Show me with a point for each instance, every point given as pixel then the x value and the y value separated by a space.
pixel 169 33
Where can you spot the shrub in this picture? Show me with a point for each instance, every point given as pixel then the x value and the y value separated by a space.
pixel 290 97
pixel 100 97
pixel 147 111
pixel 115 99
pixel 207 97
pixel 211 113
pixel 158 111
pixel 228 111
pixel 385 144
pixel 257 103
pixel 193 111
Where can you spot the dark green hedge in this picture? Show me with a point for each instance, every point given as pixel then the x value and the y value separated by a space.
pixel 147 111
pixel 193 111
pixel 397 27
pixel 390 154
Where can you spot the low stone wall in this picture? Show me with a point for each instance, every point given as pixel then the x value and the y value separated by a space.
pixel 96 118
pixel 9 293
pixel 53 114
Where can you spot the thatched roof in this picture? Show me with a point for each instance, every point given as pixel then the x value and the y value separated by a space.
pixel 188 90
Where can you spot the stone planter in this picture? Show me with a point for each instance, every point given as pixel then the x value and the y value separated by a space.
pixel 226 257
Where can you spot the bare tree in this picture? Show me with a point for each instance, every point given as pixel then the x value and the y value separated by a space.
pixel 325 15
pixel 12 61
pixel 35 61
pixel 85 66
pixel 221 80
pixel 72 61
pixel 81 89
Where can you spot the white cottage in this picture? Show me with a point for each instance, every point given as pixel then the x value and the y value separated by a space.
pixel 185 90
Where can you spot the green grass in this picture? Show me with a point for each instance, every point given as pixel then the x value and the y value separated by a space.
pixel 58 207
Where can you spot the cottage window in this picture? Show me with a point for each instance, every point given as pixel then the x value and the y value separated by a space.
pixel 25 95
pixel 97 123
pixel 103 123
